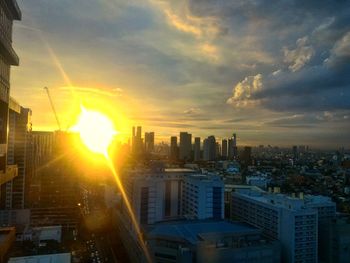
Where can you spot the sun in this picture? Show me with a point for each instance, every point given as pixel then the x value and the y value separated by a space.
pixel 96 130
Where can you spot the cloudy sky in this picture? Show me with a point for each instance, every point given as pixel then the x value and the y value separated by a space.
pixel 274 71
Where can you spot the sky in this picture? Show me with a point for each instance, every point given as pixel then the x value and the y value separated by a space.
pixel 274 72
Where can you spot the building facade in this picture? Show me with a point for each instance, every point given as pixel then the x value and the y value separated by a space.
pixel 9 11
pixel 209 241
pixel 293 221
pixel 203 196
pixel 185 152
pixel 197 149
pixel 149 142
pixel 20 153
pixel 209 149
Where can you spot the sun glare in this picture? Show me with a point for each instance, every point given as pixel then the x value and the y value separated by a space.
pixel 96 131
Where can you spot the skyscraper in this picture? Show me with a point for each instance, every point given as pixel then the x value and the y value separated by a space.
pixel 224 148
pixel 9 11
pixel 197 148
pixel 137 144
pixel 247 155
pixel 232 147
pixel 295 152
pixel 149 142
pixel 185 146
pixel 20 153
pixel 209 149
pixel 174 150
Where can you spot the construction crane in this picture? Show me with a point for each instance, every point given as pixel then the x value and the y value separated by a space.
pixel 53 107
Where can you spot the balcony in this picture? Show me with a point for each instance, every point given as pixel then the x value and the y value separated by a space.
pixel 13 6
pixel 11 172
pixel 8 52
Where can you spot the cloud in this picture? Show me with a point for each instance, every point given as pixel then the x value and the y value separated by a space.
pixel 192 111
pixel 340 53
pixel 244 90
pixel 298 57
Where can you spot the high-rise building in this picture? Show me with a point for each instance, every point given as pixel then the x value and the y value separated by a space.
pixel 295 152
pixel 149 142
pixel 185 146
pixel 55 187
pixel 232 147
pixel 246 156
pixel 217 150
pixel 293 221
pixel 9 11
pixel 137 144
pixel 224 148
pixel 203 196
pixel 209 149
pixel 197 148
pixel 174 149
pixel 20 153
pixel 155 196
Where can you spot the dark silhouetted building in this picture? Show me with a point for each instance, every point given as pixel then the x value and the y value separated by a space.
pixel 174 149
pixel 224 148
pixel 209 149
pixel 20 152
pixel 185 146
pixel 149 142
pixel 9 11
pixel 197 148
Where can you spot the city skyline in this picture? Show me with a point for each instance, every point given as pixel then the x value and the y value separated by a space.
pixel 200 67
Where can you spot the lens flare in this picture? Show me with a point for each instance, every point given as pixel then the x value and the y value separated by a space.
pixel 96 131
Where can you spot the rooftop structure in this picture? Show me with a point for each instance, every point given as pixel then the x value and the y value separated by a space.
pixel 52 258
pixel 209 241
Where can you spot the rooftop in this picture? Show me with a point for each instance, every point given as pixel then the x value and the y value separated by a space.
pixel 199 230
pixel 52 258
pixel 285 201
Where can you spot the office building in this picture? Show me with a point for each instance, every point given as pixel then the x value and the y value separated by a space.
pixel 203 196
pixel 54 192
pixel 246 156
pixel 20 153
pixel 43 142
pixel 149 142
pixel 209 149
pixel 217 150
pixel 155 194
pixel 224 148
pixel 295 152
pixel 232 150
pixel 185 146
pixel 293 221
pixel 174 149
pixel 335 242
pixel 9 11
pixel 136 138
pixel 197 149
pixel 209 241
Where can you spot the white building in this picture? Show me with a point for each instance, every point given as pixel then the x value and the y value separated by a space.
pixel 210 241
pixel 296 222
pixel 280 217
pixel 203 196
pixel 155 196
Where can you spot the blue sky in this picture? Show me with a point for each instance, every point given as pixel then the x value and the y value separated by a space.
pixel 275 72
